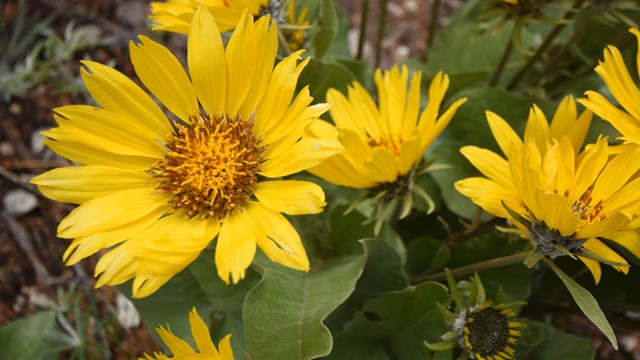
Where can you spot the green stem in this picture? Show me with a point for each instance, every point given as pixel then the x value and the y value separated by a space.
pixel 473 268
pixel 433 26
pixel 381 22
pixel 551 64
pixel 282 42
pixel 544 46
pixel 363 28
pixel 506 54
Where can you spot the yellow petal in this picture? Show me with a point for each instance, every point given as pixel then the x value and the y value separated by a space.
pixel 201 335
pixel 594 268
pixel 236 245
pixel 555 211
pixel 163 75
pixel 629 239
pixel 489 164
pixel 115 92
pixel 604 227
pixel 537 128
pixel 174 343
pixel 206 59
pixel 590 166
pixel 489 195
pixel 278 239
pixel 306 153
pixel 110 212
pixel 603 250
pixel 79 184
pixel 623 122
pixel 616 174
pixel 383 166
pixel 267 38
pixel 291 197
pixel 340 171
pixel 84 154
pixel 105 130
pixel 241 63
pixel 503 133
pixel 83 247
pixel 226 353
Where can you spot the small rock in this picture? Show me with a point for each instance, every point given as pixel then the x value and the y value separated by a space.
pixel 19 202
pixel 37 146
pixel 126 313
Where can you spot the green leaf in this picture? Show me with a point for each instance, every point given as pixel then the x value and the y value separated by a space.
pixel 31 338
pixel 284 313
pixel 328 28
pixel 586 302
pixel 540 341
pixel 218 304
pixel 322 75
pixel 401 320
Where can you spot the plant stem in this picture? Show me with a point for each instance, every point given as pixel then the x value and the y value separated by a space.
pixel 470 269
pixel 506 54
pixel 381 22
pixel 544 46
pixel 433 26
pixel 363 28
pixel 282 43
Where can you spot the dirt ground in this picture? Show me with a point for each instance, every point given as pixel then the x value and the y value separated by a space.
pixel 31 272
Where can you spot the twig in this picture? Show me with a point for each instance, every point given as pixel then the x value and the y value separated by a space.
pixel 382 19
pixel 470 269
pixel 433 26
pixel 544 46
pixel 364 19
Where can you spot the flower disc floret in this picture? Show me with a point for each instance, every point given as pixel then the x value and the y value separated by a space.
pixel 212 166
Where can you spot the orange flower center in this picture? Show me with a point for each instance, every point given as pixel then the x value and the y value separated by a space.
pixel 585 211
pixel 212 165
pixel 391 144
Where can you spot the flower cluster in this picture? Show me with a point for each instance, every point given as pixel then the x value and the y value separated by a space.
pixel 209 157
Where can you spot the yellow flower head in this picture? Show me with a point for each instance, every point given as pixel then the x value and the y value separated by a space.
pixel 176 15
pixel 564 200
pixel 182 350
pixel 382 143
pixel 157 191
pixel 621 85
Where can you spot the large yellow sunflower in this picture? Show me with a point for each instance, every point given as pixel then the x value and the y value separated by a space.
pixel 157 191
pixel 564 200
pixel 621 85
pixel 182 350
pixel 383 144
pixel 175 15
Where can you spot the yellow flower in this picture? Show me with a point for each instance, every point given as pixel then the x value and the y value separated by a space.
pixel 296 37
pixel 182 350
pixel 621 85
pixel 157 192
pixel 175 15
pixel 564 201
pixel 383 144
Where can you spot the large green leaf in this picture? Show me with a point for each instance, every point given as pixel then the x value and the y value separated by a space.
pixel 399 322
pixel 31 338
pixel 199 286
pixel 327 28
pixel 284 313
